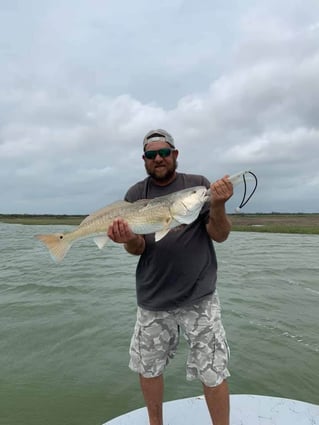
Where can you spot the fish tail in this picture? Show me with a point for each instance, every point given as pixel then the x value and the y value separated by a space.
pixel 57 245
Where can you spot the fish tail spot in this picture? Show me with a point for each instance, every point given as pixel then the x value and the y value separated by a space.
pixel 56 244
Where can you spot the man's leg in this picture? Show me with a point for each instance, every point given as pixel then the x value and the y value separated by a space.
pixel 152 389
pixel 217 399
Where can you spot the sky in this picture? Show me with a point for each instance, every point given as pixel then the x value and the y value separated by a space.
pixel 236 82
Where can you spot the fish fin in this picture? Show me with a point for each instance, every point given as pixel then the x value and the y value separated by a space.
pixel 100 241
pixel 160 235
pixel 169 224
pixel 56 244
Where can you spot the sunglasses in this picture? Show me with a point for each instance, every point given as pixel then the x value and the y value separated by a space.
pixel 163 153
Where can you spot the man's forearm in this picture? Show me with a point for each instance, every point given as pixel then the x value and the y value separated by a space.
pixel 219 224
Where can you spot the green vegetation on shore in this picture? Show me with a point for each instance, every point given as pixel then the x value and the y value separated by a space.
pixel 277 223
pixel 41 219
pixel 271 223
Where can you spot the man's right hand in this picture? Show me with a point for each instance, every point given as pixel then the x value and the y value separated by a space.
pixel 120 232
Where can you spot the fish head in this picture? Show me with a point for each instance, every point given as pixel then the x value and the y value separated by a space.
pixel 187 204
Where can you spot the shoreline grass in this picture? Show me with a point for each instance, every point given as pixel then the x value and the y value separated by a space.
pixel 277 229
pixel 45 219
pixel 298 223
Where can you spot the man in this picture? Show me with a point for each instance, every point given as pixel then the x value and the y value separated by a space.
pixel 176 285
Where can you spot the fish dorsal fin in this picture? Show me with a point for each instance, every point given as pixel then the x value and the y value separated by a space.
pixel 141 204
pixel 104 210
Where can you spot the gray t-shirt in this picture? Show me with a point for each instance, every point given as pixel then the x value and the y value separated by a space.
pixel 181 268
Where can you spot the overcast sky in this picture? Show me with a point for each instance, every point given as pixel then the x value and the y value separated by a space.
pixel 236 82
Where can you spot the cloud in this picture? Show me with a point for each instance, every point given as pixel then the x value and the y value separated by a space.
pixel 77 102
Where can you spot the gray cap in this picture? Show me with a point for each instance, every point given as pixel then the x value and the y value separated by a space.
pixel 158 135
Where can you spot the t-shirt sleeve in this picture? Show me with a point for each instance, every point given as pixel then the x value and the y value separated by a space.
pixel 134 193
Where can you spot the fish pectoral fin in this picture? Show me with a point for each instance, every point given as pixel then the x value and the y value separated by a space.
pixel 160 235
pixel 100 241
pixel 167 227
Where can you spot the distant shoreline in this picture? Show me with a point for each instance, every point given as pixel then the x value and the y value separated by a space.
pixel 302 223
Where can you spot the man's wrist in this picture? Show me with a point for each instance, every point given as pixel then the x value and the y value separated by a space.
pixel 136 245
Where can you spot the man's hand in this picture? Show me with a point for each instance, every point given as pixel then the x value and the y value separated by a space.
pixel 221 191
pixel 120 232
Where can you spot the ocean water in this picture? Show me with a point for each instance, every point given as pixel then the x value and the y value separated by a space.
pixel 65 329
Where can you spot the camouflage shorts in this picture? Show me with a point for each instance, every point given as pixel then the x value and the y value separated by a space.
pixel 156 337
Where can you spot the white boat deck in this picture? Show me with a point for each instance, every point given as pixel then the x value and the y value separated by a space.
pixel 245 410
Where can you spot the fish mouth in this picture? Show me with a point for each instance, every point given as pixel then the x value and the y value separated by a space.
pixel 207 194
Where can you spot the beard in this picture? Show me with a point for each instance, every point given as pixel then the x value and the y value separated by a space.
pixel 162 175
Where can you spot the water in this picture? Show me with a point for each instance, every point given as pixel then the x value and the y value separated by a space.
pixel 65 329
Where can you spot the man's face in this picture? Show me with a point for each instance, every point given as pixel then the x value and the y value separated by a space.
pixel 160 167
